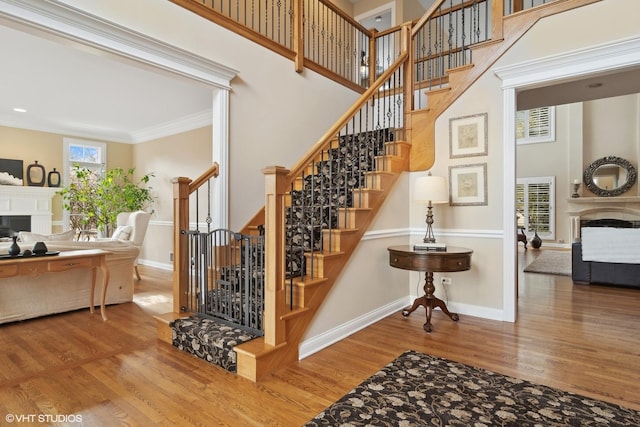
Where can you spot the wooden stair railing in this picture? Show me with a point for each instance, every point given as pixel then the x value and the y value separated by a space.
pixel 285 325
pixel 291 302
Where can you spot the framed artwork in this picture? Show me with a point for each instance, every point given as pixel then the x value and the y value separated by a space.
pixel 468 136
pixel 11 172
pixel 468 185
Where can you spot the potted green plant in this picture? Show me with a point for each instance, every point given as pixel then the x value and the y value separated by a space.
pixel 95 200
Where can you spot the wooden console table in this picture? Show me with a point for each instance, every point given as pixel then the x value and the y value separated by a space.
pixel 454 259
pixel 36 265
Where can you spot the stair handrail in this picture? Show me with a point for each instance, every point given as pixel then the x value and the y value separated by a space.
pixel 427 15
pixel 326 138
pixel 212 172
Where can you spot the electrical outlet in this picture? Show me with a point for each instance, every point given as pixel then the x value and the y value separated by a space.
pixel 445 280
pixel 170 256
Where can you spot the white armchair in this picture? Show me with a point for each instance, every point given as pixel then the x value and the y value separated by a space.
pixel 132 227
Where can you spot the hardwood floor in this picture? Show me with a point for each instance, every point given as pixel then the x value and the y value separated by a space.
pixel 583 339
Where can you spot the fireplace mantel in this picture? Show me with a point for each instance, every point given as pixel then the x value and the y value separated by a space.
pixel 30 201
pixel 621 207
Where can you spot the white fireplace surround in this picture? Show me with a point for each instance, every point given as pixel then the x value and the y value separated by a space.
pixel 34 202
pixel 587 208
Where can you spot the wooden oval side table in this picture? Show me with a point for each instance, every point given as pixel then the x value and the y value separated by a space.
pixel 452 260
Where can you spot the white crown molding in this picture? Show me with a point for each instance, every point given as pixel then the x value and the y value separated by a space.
pixel 600 58
pixel 81 27
pixel 68 130
pixel 183 124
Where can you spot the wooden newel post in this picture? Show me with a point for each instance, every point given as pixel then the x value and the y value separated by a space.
pixel 180 253
pixel 275 290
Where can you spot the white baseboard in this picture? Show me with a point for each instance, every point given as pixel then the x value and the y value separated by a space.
pixel 317 343
pixel 476 311
pixel 155 264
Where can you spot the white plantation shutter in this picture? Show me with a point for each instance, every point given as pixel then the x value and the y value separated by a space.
pixel 535 206
pixel 535 125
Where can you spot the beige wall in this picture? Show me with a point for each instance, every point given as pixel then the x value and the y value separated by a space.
pixel 46 148
pixel 611 128
pixel 186 154
pixel 344 5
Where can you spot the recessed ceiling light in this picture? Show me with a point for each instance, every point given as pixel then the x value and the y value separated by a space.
pixel 378 18
pixel 19 110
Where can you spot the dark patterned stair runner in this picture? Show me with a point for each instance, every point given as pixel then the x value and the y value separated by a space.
pixel 209 339
pixel 340 171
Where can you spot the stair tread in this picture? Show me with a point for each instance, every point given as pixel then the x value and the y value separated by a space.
pixel 169 317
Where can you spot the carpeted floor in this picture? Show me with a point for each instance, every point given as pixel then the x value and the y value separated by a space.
pixel 551 262
pixel 418 389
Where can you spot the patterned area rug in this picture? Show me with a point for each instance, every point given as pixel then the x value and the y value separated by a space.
pixel 551 262
pixel 418 389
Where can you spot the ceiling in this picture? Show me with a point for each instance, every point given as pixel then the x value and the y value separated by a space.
pixel 79 91
pixel 606 85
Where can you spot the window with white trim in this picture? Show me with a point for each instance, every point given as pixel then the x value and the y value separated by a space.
pixel 535 206
pixel 90 155
pixel 536 125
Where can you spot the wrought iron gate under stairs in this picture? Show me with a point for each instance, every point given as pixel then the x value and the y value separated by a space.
pixel 226 280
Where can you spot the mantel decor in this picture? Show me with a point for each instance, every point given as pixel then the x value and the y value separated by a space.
pixel 468 136
pixel 36 174
pixel 11 172
pixel 610 176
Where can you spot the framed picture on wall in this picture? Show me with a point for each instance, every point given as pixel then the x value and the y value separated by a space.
pixel 11 172
pixel 468 136
pixel 468 185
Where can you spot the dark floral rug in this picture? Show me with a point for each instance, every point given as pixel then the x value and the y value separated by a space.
pixel 418 390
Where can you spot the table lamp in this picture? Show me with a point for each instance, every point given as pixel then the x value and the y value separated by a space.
pixel 430 190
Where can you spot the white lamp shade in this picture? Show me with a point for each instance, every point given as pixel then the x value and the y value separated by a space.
pixel 431 189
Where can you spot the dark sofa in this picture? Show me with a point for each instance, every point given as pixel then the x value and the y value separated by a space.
pixel 605 273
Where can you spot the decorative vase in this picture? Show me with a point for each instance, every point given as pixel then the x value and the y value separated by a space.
pixel 53 178
pixel 14 249
pixel 36 175
pixel 536 241
pixel 39 248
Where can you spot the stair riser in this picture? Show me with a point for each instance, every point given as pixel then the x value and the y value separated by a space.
pixel 351 217
pixel 334 240
pixel 391 164
pixel 320 264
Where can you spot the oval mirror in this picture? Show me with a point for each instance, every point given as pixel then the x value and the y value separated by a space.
pixel 609 176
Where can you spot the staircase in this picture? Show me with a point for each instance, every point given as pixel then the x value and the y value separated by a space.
pixel 314 217
pixel 317 254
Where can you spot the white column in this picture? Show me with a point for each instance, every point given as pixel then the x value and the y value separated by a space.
pixel 220 150
pixel 510 273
